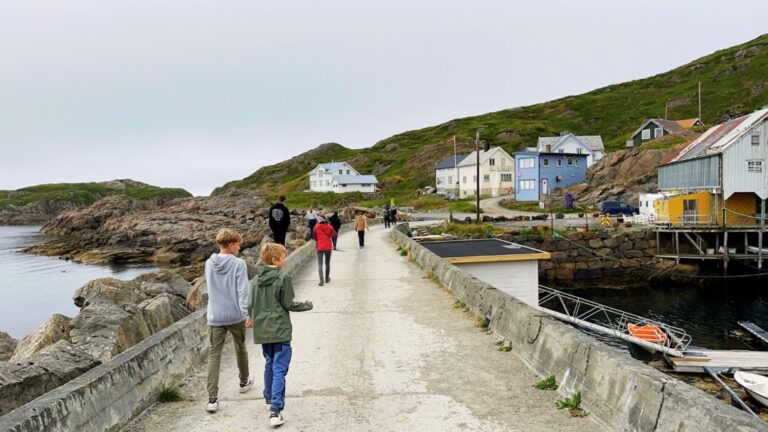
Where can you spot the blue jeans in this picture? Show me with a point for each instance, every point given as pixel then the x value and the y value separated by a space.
pixel 277 358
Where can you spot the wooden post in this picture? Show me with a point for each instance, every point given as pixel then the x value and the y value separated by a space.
pixel 658 242
pixel 677 246
pixel 725 249
pixel 760 235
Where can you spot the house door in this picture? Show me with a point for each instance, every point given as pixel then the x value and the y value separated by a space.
pixel 544 187
pixel 690 211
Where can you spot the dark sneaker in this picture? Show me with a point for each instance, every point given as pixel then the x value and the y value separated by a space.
pixel 246 385
pixel 276 419
pixel 327 279
pixel 321 283
pixel 213 405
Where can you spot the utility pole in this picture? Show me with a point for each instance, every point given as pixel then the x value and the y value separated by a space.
pixel 700 99
pixel 455 166
pixel 477 177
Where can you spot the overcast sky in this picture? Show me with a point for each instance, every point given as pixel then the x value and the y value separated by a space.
pixel 197 93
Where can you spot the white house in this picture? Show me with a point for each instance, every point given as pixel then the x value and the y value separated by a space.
pixel 591 145
pixel 447 174
pixel 497 173
pixel 340 177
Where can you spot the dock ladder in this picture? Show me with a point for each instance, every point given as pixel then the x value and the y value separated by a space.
pixel 610 321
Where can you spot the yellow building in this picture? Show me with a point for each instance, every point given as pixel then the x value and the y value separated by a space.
pixel 706 208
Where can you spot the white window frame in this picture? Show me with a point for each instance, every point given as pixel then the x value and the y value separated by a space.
pixel 492 162
pixel 527 162
pixel 755 166
pixel 570 160
pixel 527 184
pixel 645 134
pixel 486 178
pixel 658 132
pixel 464 179
pixel 559 162
pixel 506 177
pixel 545 162
pixel 579 150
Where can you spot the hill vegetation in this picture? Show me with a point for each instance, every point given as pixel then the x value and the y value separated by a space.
pixel 734 82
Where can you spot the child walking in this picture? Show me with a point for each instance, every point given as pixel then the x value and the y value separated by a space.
pixel 227 278
pixel 324 236
pixel 270 300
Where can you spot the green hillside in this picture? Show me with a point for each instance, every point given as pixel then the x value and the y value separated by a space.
pixel 86 193
pixel 734 81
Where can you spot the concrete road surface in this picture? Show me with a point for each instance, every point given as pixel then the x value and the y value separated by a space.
pixel 383 350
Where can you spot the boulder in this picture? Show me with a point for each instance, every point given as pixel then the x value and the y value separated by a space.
pixel 104 329
pixel 54 329
pixel 7 346
pixel 111 289
pixel 157 313
pixel 42 372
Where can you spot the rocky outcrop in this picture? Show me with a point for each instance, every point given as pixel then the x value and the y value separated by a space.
pixel 7 346
pixel 621 175
pixel 114 316
pixel 122 230
pixel 56 328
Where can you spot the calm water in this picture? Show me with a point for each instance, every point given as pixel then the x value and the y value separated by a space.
pixel 35 287
pixel 709 314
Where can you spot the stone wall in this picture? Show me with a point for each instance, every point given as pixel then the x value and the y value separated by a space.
pixel 596 258
pixel 621 392
pixel 108 396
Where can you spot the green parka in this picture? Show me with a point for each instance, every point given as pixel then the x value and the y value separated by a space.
pixel 269 303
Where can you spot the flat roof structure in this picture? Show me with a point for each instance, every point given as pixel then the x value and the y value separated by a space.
pixel 483 251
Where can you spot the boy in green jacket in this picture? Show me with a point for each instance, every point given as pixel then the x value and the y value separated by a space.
pixel 269 303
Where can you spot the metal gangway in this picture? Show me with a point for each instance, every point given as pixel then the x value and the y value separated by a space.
pixel 611 321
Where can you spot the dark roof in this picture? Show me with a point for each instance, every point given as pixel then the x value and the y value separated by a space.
pixel 449 161
pixel 483 250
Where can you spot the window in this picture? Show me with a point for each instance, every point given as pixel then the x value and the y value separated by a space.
pixel 464 179
pixel 486 178
pixel 548 148
pixel 439 181
pixel 450 180
pixel 570 161
pixel 575 161
pixel 506 177
pixel 755 139
pixel 474 178
pixel 527 184
pixel 755 166
pixel 658 132
pixel 526 163
pixel 646 134
pixel 561 151
pixel 341 172
pixel 579 150
pixel 559 162
pixel 314 184
pixel 492 162
pixel 545 162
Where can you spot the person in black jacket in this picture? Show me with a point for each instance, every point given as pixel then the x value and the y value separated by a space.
pixel 335 221
pixel 279 220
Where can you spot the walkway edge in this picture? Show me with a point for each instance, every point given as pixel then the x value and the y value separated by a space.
pixel 108 396
pixel 621 392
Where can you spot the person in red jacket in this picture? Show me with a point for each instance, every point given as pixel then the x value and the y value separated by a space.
pixel 323 233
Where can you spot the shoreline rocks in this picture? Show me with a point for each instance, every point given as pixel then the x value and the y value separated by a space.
pixel 7 346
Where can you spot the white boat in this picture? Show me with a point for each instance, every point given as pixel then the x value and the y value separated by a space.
pixel 756 385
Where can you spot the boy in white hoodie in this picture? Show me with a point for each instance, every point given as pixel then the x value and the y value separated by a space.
pixel 227 278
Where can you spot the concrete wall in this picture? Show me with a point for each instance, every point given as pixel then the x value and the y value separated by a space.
pixel 625 394
pixel 110 395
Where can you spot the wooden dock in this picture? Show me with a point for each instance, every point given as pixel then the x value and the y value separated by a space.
pixel 694 361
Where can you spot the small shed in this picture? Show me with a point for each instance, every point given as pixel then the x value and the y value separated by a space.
pixel 509 267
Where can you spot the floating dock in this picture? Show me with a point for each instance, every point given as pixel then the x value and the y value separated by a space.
pixel 728 361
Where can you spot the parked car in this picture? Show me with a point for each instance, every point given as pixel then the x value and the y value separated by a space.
pixel 618 208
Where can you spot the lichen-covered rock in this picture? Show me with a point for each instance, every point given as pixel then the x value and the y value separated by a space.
pixel 54 329
pixel 7 346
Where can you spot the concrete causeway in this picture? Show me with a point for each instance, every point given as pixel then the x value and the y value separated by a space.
pixel 383 350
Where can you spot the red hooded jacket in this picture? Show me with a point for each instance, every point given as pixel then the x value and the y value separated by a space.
pixel 323 235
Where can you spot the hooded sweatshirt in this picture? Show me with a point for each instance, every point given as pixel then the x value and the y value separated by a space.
pixel 227 280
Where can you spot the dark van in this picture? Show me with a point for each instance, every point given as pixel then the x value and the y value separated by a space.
pixel 618 207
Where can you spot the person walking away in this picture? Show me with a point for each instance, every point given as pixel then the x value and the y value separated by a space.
pixel 311 220
pixel 270 302
pixel 228 286
pixel 393 216
pixel 361 224
pixel 386 216
pixel 335 222
pixel 279 220
pixel 323 236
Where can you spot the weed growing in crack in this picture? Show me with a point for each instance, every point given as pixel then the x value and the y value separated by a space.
pixel 548 383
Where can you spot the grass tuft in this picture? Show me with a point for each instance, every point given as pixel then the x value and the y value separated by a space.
pixel 170 394
pixel 548 383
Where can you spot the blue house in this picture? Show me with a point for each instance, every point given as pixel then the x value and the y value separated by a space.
pixel 538 173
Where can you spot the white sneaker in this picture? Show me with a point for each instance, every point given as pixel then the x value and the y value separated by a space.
pixel 247 386
pixel 213 405
pixel 276 419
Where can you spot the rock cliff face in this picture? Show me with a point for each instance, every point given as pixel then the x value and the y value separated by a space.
pixel 621 175
pixel 114 316
pixel 7 346
pixel 123 230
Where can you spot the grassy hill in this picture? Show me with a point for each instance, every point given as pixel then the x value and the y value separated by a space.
pixel 80 194
pixel 734 81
